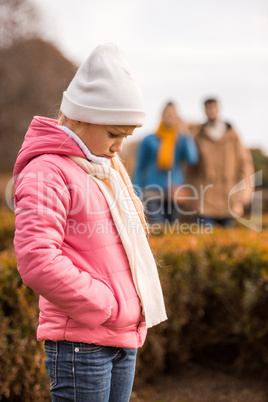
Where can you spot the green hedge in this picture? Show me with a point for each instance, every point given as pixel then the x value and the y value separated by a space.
pixel 7 221
pixel 216 292
pixel 23 375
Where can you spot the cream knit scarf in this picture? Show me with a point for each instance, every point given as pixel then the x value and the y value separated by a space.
pixel 126 219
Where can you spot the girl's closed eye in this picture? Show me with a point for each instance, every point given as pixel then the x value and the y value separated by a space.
pixel 111 135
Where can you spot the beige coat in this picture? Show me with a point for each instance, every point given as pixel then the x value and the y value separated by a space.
pixel 222 164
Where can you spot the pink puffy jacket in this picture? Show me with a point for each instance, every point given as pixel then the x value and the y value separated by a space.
pixel 68 248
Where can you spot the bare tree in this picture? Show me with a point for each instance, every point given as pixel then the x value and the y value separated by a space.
pixel 19 20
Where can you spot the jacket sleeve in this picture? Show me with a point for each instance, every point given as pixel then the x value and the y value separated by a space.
pixel 190 151
pixel 42 201
pixel 143 160
pixel 245 171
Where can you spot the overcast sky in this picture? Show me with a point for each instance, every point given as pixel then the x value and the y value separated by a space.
pixel 181 50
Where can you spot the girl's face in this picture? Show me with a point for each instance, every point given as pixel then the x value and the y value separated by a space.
pixel 103 140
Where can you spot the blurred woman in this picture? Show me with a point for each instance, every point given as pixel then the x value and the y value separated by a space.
pixel 159 171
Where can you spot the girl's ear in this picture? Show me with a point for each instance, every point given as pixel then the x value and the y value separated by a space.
pixel 75 123
pixel 78 127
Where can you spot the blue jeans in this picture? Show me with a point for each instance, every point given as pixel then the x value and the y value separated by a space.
pixel 224 222
pixel 161 211
pixel 84 372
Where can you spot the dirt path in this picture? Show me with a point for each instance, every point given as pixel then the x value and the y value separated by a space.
pixel 202 385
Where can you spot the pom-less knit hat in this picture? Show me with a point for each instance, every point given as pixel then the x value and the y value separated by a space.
pixel 104 90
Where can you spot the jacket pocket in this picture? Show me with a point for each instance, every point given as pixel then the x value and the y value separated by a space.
pixel 128 314
pixel 114 314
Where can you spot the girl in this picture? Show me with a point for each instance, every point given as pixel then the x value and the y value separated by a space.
pixel 80 234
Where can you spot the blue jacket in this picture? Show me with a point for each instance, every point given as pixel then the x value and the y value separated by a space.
pixel 147 171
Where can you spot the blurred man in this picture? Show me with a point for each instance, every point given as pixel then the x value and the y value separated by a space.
pixel 223 163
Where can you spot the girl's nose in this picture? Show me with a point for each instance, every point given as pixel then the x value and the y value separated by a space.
pixel 117 146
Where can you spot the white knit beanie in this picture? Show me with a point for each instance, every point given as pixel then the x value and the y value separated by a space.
pixel 104 90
